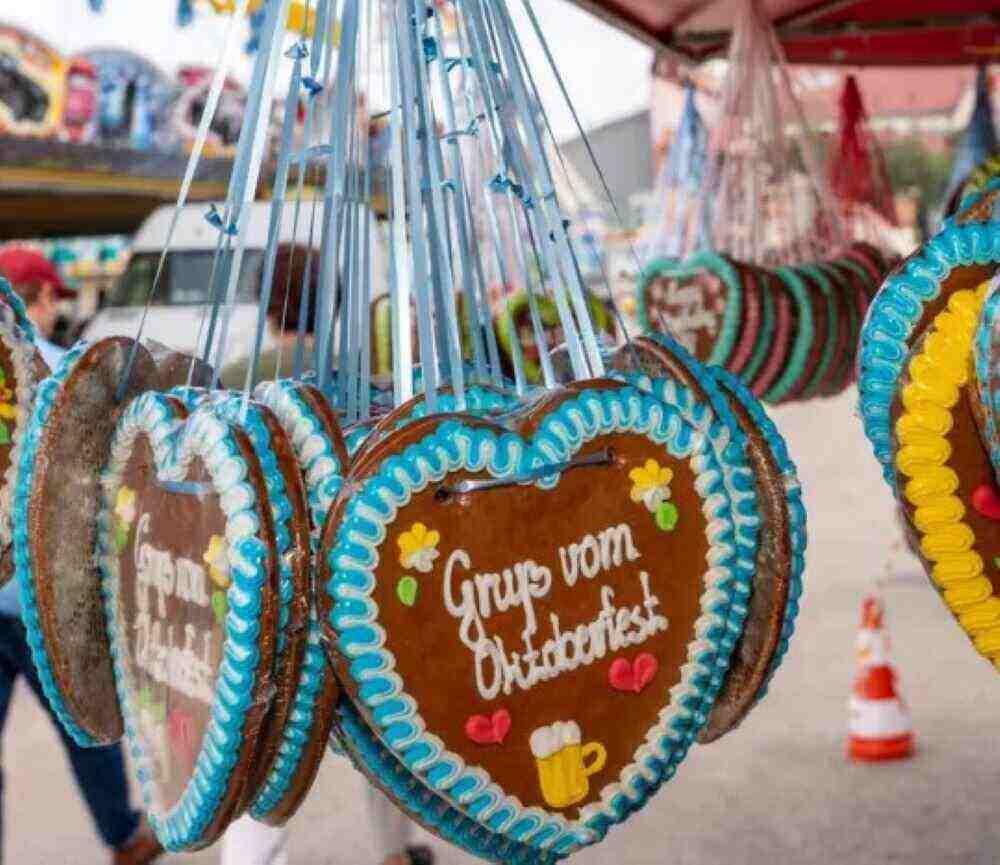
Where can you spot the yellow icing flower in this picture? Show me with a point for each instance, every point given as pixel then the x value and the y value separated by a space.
pixel 125 506
pixel 418 548
pixel 217 559
pixel 8 411
pixel 651 484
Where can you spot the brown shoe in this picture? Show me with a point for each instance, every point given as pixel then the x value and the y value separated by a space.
pixel 141 849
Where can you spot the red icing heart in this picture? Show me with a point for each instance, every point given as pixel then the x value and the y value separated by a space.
pixel 986 501
pixel 488 731
pixel 625 675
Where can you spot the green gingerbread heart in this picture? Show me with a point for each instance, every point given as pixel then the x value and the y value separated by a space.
pixel 406 590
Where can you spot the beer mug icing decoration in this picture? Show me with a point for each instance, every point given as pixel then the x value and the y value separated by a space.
pixel 564 764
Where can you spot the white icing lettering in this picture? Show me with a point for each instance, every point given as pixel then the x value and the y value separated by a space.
pixel 474 598
pixel 184 664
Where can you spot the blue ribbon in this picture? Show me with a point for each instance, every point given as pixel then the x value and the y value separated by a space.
pixel 213 217
pixel 312 85
pixel 185 12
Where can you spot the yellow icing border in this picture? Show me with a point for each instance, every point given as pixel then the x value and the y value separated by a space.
pixel 937 373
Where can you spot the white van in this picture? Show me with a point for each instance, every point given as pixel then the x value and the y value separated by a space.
pixel 181 299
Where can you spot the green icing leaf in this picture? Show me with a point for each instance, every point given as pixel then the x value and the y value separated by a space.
pixel 667 516
pixel 220 606
pixel 406 590
pixel 121 535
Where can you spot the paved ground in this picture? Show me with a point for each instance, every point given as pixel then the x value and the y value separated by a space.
pixel 778 789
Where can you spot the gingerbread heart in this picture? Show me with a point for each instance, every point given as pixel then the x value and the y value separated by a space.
pixel 699 301
pixel 962 255
pixel 55 530
pixel 942 463
pixel 539 555
pixel 319 448
pixel 185 515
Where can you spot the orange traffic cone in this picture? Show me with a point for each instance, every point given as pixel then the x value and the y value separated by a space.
pixel 880 727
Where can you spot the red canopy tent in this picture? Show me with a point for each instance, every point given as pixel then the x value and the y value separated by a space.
pixel 822 32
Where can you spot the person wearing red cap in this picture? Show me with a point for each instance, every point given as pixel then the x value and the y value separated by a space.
pixel 100 772
pixel 40 286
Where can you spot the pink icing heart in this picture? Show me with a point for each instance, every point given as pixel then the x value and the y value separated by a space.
pixel 986 501
pixel 488 731
pixel 625 675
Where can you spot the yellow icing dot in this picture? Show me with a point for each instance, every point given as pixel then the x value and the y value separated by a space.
pixel 930 451
pixel 989 642
pixel 936 373
pixel 954 538
pixel 931 484
pixel 939 512
pixel 931 419
pixel 982 617
pixel 964 595
pixel 961 566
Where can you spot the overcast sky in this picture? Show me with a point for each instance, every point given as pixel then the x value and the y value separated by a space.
pixel 606 72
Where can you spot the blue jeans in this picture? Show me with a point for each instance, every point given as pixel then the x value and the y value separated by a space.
pixel 100 772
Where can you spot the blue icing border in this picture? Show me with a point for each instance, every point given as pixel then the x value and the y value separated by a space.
pixel 797 528
pixel 355 437
pixel 205 434
pixel 323 477
pixel 898 307
pixel 44 398
pixel 453 446
pixel 14 301
pixel 321 469
pixel 451 824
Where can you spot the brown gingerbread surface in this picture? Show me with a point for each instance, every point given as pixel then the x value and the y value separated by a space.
pixel 62 530
pixel 786 318
pixel 844 310
pixel 751 315
pixel 754 651
pixel 290 650
pixel 822 311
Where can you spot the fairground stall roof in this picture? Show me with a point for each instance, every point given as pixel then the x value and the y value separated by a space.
pixel 822 32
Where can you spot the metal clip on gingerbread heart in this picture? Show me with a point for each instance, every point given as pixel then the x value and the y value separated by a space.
pixel 512 586
pixel 928 401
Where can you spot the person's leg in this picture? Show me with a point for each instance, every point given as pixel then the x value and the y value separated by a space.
pixel 248 842
pixel 392 831
pixel 8 674
pixel 100 772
